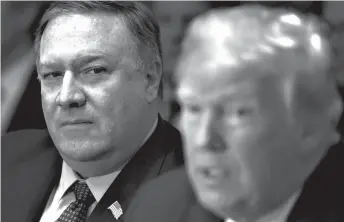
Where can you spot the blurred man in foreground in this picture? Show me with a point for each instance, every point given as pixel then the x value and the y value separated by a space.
pixel 259 116
pixel 99 65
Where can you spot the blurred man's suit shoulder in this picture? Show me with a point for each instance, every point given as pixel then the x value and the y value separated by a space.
pixel 170 198
pixel 31 168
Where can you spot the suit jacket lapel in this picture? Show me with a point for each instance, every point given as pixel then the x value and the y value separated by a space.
pixel 144 165
pixel 32 181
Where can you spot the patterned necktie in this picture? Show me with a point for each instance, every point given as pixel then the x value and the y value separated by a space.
pixel 77 210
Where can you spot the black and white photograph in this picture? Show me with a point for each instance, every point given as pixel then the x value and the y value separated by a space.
pixel 172 111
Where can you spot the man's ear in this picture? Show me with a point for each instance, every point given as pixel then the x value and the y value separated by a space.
pixel 153 79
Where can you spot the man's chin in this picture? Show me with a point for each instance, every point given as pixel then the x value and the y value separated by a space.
pixel 83 151
pixel 220 204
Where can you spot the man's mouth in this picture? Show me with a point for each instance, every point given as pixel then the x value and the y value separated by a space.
pixel 75 122
pixel 214 172
pixel 212 175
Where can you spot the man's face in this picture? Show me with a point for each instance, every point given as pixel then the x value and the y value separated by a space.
pixel 92 96
pixel 241 148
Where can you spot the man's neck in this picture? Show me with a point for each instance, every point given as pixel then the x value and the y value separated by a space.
pixel 280 214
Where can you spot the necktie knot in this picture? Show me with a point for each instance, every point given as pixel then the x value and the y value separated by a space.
pixel 83 193
pixel 77 210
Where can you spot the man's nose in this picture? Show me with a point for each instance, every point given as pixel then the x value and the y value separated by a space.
pixel 209 134
pixel 70 95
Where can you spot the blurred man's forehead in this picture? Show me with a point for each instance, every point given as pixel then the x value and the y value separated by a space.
pixel 194 92
pixel 224 85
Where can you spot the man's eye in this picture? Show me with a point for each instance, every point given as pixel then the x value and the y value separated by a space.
pixel 193 108
pixel 52 75
pixel 95 71
pixel 244 111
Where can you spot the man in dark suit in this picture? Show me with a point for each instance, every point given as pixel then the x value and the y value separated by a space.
pixel 259 115
pixel 99 66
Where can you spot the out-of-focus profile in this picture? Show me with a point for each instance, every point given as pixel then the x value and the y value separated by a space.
pixel 259 114
pixel 99 66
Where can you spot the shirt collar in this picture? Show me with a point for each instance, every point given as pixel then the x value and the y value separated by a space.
pixel 97 185
pixel 281 213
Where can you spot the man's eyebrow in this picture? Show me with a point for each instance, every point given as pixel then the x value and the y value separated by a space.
pixel 80 59
pixel 85 59
pixel 186 94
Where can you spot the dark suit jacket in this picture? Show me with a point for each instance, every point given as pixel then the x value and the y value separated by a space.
pixel 31 167
pixel 170 198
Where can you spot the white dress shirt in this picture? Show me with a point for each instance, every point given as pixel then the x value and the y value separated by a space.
pixel 59 200
pixel 280 214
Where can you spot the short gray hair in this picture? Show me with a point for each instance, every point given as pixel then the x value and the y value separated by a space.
pixel 137 16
